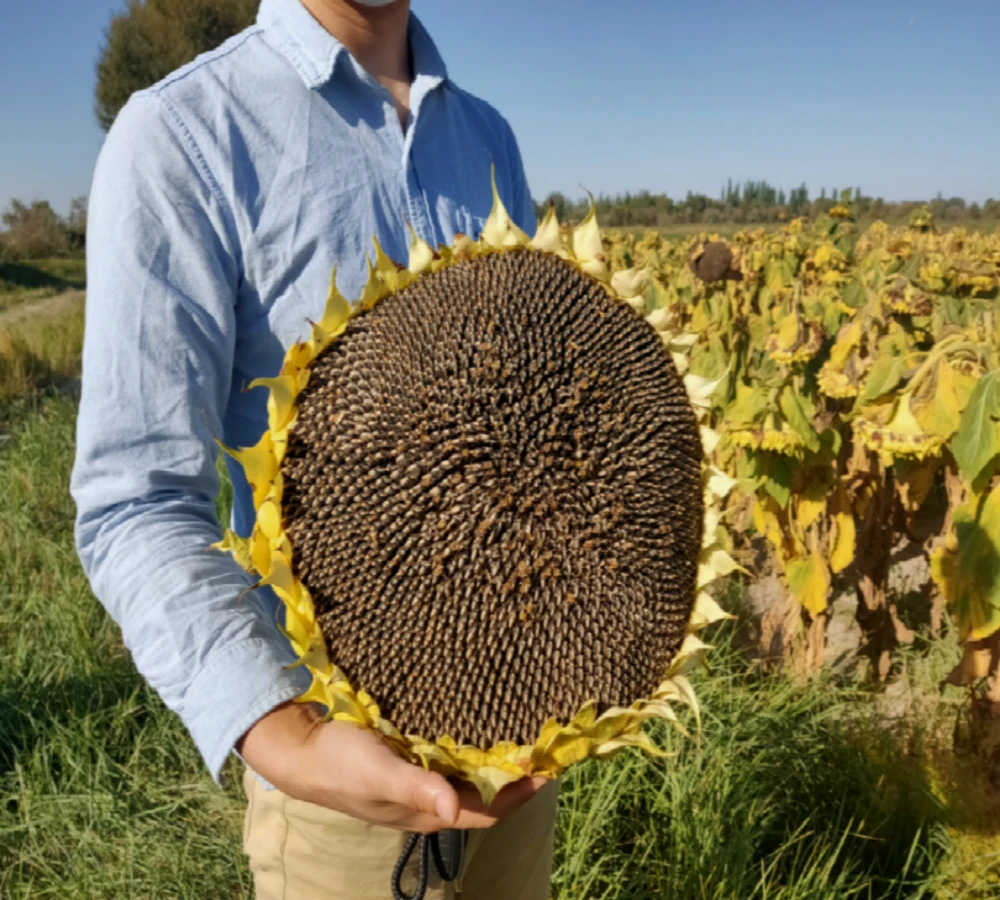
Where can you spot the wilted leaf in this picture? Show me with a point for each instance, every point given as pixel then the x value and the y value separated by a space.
pixel 809 581
pixel 796 418
pixel 811 505
pixel 885 374
pixel 914 480
pixel 748 407
pixel 777 275
pixel 842 553
pixel 967 568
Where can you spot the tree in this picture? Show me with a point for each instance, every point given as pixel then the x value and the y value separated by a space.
pixel 153 38
pixel 33 231
pixel 558 203
pixel 76 223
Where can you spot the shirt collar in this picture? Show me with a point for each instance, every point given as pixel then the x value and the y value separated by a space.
pixel 314 52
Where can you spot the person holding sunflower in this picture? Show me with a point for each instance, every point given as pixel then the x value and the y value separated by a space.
pixel 223 198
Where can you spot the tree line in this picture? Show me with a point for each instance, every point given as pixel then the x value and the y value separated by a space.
pixel 755 203
pixel 36 231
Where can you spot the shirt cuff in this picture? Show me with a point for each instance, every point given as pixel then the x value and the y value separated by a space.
pixel 240 685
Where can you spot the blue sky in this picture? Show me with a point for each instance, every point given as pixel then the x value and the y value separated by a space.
pixel 900 97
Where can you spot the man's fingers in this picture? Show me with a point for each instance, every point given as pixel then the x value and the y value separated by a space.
pixel 515 795
pixel 475 814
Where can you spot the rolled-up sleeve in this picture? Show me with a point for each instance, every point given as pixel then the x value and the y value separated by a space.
pixel 163 270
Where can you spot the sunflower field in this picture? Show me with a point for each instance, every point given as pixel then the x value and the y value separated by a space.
pixel 854 383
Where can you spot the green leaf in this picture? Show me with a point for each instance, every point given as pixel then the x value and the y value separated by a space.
pixel 977 440
pixel 831 318
pixel 824 225
pixel 796 418
pixel 748 407
pixel 759 330
pixel 911 268
pixel 845 243
pixel 777 275
pixel 831 441
pixel 793 261
pixel 953 310
pixel 855 294
pixel 778 473
pixel 883 377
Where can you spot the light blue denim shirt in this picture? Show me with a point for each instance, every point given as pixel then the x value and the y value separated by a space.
pixel 223 198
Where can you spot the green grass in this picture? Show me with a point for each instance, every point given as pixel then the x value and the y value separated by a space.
pixel 794 791
pixel 22 282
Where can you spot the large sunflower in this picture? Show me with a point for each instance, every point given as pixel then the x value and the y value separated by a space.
pixel 483 500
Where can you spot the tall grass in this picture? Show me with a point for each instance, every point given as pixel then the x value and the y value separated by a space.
pixel 101 793
pixel 791 793
pixel 43 349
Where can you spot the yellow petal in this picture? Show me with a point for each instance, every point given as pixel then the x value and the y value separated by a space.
pixel 709 441
pixel 691 654
pixel 707 611
pixel 587 237
pixel 386 270
pixel 548 237
pixel 260 552
pixel 660 319
pixel 629 283
pixel 337 311
pixel 259 466
pixel 269 520
pixel 281 402
pixel 421 254
pixel 700 389
pixel 719 483
pixel 238 546
pixel 374 289
pixel 500 230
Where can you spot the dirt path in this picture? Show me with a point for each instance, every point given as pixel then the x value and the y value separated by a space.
pixel 49 308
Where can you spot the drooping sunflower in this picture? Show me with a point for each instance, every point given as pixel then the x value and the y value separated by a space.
pixel 484 501
pixel 892 430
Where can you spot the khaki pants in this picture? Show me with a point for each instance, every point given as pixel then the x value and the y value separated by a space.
pixel 300 851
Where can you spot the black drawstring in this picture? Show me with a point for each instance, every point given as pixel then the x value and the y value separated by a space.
pixel 445 847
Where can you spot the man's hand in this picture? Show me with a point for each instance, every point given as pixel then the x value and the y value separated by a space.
pixel 351 770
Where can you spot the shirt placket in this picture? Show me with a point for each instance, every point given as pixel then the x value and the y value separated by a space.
pixel 416 200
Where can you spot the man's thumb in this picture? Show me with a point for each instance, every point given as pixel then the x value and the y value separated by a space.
pixel 430 793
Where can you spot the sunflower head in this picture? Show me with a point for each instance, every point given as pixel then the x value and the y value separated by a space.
pixel 795 340
pixel 906 298
pixel 773 434
pixel 900 435
pixel 482 498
